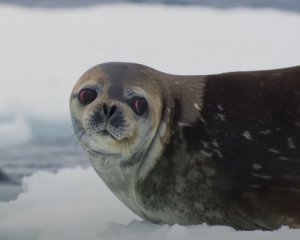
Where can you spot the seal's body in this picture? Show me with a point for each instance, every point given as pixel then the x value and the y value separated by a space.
pixel 221 149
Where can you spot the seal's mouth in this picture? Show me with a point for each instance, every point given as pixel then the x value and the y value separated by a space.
pixel 106 133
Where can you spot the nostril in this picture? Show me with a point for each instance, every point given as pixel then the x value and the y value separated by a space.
pixel 109 111
pixel 105 109
pixel 112 110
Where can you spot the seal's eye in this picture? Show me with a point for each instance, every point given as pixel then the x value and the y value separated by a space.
pixel 86 96
pixel 139 106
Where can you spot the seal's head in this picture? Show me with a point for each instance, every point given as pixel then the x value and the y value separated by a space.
pixel 116 109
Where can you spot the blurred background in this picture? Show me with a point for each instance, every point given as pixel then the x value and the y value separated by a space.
pixel 292 5
pixel 45 45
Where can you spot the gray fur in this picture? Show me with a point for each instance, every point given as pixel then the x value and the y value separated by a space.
pixel 212 149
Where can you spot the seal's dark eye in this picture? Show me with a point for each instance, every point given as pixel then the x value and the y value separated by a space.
pixel 86 96
pixel 139 106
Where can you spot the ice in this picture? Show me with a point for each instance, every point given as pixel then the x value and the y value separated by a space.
pixel 75 204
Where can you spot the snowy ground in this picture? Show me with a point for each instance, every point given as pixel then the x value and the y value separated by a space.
pixel 44 52
pixel 75 205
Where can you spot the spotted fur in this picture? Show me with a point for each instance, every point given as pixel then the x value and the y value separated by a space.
pixel 221 149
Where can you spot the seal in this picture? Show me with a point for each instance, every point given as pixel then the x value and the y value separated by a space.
pixel 219 149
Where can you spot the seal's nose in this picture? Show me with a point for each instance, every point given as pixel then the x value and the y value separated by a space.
pixel 109 111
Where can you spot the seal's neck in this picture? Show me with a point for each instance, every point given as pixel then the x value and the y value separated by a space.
pixel 120 180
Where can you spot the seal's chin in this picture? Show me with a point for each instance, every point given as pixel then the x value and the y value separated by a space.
pixel 106 133
pixel 102 152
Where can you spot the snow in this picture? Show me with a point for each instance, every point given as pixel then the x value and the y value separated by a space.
pixel 44 52
pixel 75 204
